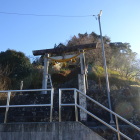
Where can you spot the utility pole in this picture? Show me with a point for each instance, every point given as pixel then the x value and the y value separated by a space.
pixel 105 68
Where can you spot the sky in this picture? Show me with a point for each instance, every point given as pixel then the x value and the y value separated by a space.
pixel 120 21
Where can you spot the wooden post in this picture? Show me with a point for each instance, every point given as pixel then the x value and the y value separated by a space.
pixel 21 85
pixel 45 73
pixel 82 88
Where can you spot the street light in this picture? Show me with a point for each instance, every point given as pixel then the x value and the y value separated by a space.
pixel 105 68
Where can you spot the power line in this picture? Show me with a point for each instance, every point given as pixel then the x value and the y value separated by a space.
pixel 38 15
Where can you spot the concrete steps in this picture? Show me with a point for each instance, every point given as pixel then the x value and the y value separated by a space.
pixel 47 131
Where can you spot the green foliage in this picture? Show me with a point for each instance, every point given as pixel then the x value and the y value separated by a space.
pixel 123 68
pixel 17 62
pixel 98 70
pixel 15 65
pixel 119 56
pixel 115 78
pixel 34 80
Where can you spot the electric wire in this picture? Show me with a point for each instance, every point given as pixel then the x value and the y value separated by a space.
pixel 44 15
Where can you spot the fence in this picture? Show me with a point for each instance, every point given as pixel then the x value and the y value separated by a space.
pixel 9 92
pixel 117 130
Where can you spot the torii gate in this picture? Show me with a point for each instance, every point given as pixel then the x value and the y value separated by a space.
pixel 81 76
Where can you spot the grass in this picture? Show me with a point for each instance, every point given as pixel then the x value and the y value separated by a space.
pixel 115 78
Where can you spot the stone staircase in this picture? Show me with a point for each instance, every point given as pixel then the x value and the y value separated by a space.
pixel 42 114
pixel 36 114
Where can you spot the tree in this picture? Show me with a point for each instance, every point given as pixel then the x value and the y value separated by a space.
pixel 119 56
pixel 92 56
pixel 123 59
pixel 4 79
pixel 16 64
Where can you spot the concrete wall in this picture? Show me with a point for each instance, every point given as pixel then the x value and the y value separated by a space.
pixel 47 131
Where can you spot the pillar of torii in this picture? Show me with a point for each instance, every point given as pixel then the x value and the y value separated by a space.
pixel 78 51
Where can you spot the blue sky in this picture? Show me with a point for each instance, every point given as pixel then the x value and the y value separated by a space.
pixel 120 21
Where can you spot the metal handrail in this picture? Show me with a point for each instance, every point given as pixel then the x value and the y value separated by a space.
pixel 25 90
pixel 94 116
pixel 7 106
pixel 126 121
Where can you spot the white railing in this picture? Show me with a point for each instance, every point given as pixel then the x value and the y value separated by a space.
pixel 9 92
pixel 117 130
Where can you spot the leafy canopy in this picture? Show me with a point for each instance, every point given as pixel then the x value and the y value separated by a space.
pixel 18 64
